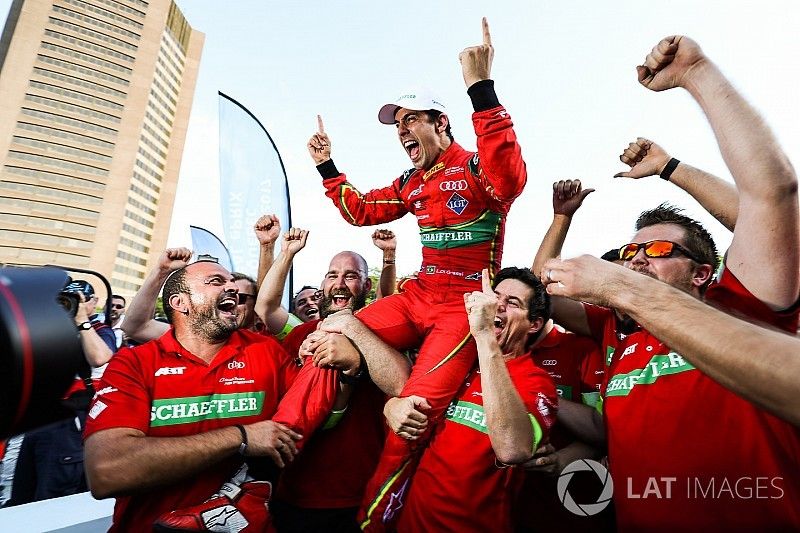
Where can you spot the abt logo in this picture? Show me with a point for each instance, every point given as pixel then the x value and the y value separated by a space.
pixel 236 364
pixel 456 185
pixel 170 370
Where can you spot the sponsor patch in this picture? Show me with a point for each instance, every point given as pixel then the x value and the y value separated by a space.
pixel 170 371
pixel 457 203
pixel 415 192
pixel 174 411
pixel 449 171
pixel 96 409
pixel 453 185
pixel 436 168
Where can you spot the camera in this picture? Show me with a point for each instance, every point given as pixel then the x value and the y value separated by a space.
pixel 69 297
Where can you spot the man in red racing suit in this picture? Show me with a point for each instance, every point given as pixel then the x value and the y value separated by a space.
pixel 461 200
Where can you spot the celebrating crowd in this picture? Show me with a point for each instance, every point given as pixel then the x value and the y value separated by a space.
pixel 474 396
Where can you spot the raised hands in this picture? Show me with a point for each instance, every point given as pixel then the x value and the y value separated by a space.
pixel 481 307
pixel 293 241
pixel 670 63
pixel 384 239
pixel 568 196
pixel 267 229
pixel 476 61
pixel 319 145
pixel 645 158
pixel 174 259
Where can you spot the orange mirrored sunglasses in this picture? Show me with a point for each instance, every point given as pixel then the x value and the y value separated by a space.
pixel 655 249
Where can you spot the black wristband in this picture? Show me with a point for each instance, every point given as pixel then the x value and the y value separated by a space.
pixel 667 172
pixel 327 169
pixel 243 445
pixel 482 95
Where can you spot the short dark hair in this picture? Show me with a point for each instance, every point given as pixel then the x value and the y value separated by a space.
pixel 236 276
pixel 292 306
pixel 539 301
pixel 433 114
pixel 175 284
pixel 698 240
pixel 118 297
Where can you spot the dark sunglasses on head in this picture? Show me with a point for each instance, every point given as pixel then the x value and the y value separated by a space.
pixel 242 297
pixel 655 249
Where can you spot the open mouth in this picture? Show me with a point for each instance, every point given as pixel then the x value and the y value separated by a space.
pixel 340 301
pixel 311 312
pixel 227 305
pixel 412 148
pixel 498 325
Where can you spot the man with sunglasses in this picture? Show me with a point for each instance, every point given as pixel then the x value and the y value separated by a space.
pixel 690 452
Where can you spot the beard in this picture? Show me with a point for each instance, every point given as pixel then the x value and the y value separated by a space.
pixel 326 307
pixel 206 322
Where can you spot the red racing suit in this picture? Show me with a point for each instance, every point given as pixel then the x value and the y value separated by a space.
pixel 461 203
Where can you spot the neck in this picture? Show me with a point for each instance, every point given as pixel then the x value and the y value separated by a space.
pixel 198 345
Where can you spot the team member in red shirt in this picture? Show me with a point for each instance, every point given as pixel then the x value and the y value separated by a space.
pixel 460 200
pixel 688 452
pixel 466 479
pixel 174 416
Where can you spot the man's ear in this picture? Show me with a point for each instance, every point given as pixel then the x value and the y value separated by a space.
pixel 368 285
pixel 441 123
pixel 178 303
pixel 702 274
pixel 536 325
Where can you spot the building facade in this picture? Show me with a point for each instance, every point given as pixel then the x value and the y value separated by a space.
pixel 95 97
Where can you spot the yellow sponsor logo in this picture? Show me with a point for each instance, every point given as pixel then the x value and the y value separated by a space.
pixel 436 168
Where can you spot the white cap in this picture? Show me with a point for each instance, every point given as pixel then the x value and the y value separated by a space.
pixel 417 100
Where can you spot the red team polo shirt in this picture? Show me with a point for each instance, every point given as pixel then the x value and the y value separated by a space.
pixel 163 390
pixel 685 452
pixel 336 463
pixel 458 485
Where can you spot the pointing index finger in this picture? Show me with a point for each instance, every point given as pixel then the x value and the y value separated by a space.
pixel 487 38
pixel 487 285
pixel 320 125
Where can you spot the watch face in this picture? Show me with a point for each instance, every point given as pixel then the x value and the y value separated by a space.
pixel 86 325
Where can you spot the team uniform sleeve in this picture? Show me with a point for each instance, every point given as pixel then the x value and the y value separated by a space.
pixel 538 393
pixel 374 207
pixel 498 165
pixel 122 398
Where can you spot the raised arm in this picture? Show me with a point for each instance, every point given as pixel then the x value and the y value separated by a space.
pixel 716 195
pixel 568 196
pixel 507 420
pixel 268 302
pixel 375 207
pixel 98 351
pixel 499 165
pixel 139 323
pixel 267 229
pixel 758 363
pixel 769 217
pixel 386 241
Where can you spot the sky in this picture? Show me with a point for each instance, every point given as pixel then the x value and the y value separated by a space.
pixel 565 71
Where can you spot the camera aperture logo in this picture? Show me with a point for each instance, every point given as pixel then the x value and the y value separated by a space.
pixel 585 509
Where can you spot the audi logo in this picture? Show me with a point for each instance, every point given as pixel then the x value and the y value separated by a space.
pixel 549 362
pixel 235 364
pixel 457 185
